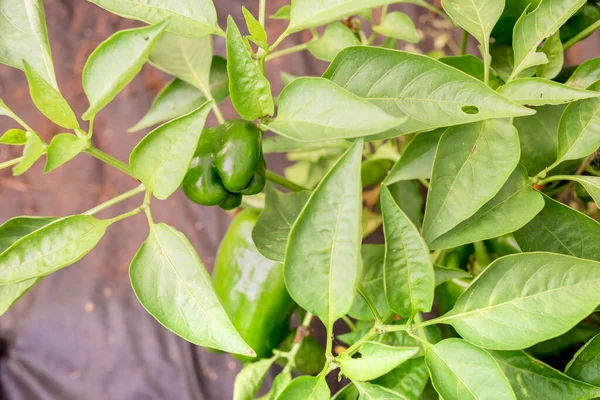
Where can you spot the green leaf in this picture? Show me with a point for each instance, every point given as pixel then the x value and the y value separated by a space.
pixel 54 246
pixel 586 74
pixel 306 388
pixel 471 165
pixel 115 62
pixel 585 365
pixel 63 147
pixel 376 360
pixel 417 160
pixel 255 29
pixel 515 205
pixel 348 392
pixel 408 196
pixel 582 24
pixel 460 370
pixel 161 160
pixel 312 109
pixel 535 26
pixel 371 284
pixel 272 230
pixel 191 19
pixel 445 274
pixel 473 66
pixel 369 391
pixel 250 379
pixel 49 100
pixel 540 92
pixel 591 184
pixel 170 281
pixel 33 150
pixel 178 98
pixel 523 299
pixel 531 379
pixel 250 91
pixel 560 229
pixel 553 49
pixel 322 261
pixel 15 137
pixel 399 26
pixel 11 293
pixel 336 38
pixel 408 272
pixel 579 129
pixel 282 13
pixel 428 92
pixel 409 379
pixel 25 37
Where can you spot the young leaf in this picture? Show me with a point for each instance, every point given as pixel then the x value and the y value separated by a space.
pixel 371 284
pixel 370 391
pixel 428 92
pixel 535 26
pixel 409 379
pixel 250 91
pixel 191 19
pixel 33 150
pixel 417 160
pixel 591 184
pixel 170 281
pixel 399 26
pixel 531 379
pixel 271 232
pixel 586 74
pixel 63 147
pixel 460 370
pixel 579 129
pixel 540 92
pixel 255 29
pixel 54 246
pixel 306 388
pixel 312 109
pixel 553 49
pixel 471 165
pixel 49 100
pixel 585 365
pixel 523 299
pixel 163 157
pixel 14 137
pixel 282 13
pixel 408 272
pixel 322 261
pixel 376 360
pixel 336 38
pixel 250 379
pixel 560 229
pixel 25 37
pixel 115 62
pixel 515 205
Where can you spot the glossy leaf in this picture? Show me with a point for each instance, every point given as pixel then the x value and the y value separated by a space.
pixel 376 360
pixel 163 157
pixel 54 246
pixel 250 379
pixel 371 284
pixel 586 74
pixel 579 129
pixel 553 49
pixel 515 205
pixel 170 281
pixel 591 184
pixel 25 37
pixel 409 379
pixel 539 92
pixel 523 299
pixel 115 62
pixel 255 29
pixel 460 370
pixel 33 150
pixel 272 230
pixel 312 109
pixel 63 147
pixel 306 388
pixel 322 261
pixel 399 26
pixel 560 229
pixel 370 391
pixel 417 160
pixel 585 365
pixel 408 272
pixel 428 92
pixel 15 137
pixel 191 19
pixel 535 26
pixel 471 165
pixel 49 100
pixel 531 379
pixel 250 91
pixel 336 38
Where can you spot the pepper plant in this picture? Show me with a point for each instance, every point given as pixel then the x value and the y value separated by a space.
pixel 483 174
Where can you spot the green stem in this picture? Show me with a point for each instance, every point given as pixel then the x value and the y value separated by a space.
pixel 372 307
pixel 147 201
pixel 372 334
pixel 22 123
pixel 283 182
pixel 110 160
pixel 262 6
pixel 349 322
pixel 291 355
pixel 288 51
pixel 582 35
pixel 384 11
pixel 10 163
pixel 424 182
pixel 464 42
pixel 280 39
pixel 128 214
pixel 540 177
pixel 554 179
pixel 481 253
pixel 115 200
pixel 215 107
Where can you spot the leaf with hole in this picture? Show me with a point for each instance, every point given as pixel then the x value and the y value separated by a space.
pixel 540 92
pixel 376 360
pixel 63 147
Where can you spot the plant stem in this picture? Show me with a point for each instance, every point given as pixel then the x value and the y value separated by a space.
pixel 115 200
pixel 372 334
pixel 372 307
pixel 582 35
pixel 131 213
pixel 424 182
pixel 349 322
pixel 10 163
pixel 283 182
pixel 291 355
pixel 262 6
pixel 289 50
pixel 110 160
pixel 280 39
pixel 554 179
pixel 147 201
pixel 464 42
